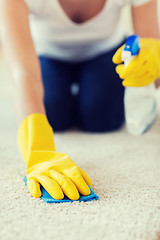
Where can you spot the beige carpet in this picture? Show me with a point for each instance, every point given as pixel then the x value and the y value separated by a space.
pixel 125 172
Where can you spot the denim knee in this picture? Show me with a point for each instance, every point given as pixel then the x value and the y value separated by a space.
pixel 94 118
pixel 59 114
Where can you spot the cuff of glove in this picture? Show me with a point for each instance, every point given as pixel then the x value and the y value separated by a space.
pixel 35 133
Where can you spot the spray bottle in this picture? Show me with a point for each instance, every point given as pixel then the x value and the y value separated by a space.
pixel 140 103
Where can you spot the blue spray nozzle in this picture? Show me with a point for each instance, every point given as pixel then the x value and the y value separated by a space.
pixel 132 45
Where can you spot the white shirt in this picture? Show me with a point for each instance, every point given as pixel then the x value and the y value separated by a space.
pixel 55 35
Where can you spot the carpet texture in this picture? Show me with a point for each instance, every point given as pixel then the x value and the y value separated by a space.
pixel 125 172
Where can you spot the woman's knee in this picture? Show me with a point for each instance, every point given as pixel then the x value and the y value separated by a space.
pixel 96 118
pixel 59 114
pixel 57 78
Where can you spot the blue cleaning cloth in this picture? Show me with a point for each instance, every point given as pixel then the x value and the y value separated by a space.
pixel 48 199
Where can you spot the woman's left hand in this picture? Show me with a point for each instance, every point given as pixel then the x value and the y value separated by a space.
pixel 144 68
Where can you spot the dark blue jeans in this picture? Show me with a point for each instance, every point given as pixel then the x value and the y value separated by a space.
pixel 96 107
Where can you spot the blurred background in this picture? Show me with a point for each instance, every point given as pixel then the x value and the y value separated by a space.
pixel 7 113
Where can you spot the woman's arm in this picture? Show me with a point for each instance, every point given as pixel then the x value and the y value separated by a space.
pixel 145 20
pixel 35 135
pixel 144 69
pixel 19 51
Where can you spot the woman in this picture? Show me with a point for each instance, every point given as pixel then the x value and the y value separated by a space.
pixel 71 42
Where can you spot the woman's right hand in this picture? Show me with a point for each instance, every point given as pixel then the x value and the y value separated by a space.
pixel 55 171
pixel 58 174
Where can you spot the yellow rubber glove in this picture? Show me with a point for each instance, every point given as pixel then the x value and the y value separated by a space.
pixel 144 68
pixel 55 171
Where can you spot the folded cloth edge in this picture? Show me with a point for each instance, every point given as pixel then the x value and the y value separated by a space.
pixel 48 199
